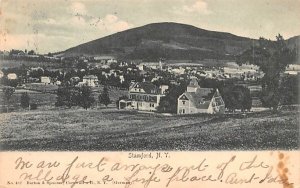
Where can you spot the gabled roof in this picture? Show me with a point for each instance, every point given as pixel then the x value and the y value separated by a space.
pixel 148 87
pixel 201 98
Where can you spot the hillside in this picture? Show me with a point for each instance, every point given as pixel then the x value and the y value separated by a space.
pixel 167 40
pixel 294 42
pixel 172 41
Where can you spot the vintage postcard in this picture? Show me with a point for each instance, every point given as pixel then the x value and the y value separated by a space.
pixel 149 93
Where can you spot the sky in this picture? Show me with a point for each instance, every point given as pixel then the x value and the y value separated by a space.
pixel 56 25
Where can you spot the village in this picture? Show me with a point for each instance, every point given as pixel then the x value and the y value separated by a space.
pixel 143 83
pixel 134 85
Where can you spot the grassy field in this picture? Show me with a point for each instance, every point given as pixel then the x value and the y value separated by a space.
pixel 37 95
pixel 111 129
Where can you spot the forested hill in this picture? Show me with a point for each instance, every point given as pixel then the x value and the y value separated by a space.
pixel 166 40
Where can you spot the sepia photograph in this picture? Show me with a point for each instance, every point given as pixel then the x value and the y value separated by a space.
pixel 149 75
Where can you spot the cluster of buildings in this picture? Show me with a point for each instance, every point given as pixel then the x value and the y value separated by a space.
pixel 89 80
pixel 145 96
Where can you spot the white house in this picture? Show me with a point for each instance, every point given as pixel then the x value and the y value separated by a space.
pixel 105 66
pixel 140 67
pixel 12 76
pixel 178 71
pixel 292 69
pixel 200 100
pixel 112 61
pixel 45 80
pixel 58 82
pixel 90 80
pixel 122 64
pixel 143 96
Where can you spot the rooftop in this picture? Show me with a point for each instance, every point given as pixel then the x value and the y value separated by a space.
pixel 148 87
pixel 201 98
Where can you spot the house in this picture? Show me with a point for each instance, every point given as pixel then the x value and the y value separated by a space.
pixel 200 100
pixel 143 96
pixel 152 65
pixel 105 66
pixel 58 82
pixel 45 80
pixel 140 67
pixel 105 59
pixel 178 71
pixel 12 76
pixel 37 69
pixel 90 80
pixel 110 61
pixel 123 63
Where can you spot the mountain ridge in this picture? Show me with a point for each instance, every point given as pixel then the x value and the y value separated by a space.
pixel 168 40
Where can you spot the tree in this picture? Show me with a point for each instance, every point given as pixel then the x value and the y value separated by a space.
pixel 8 92
pixel 85 97
pixel 64 96
pixel 169 102
pixel 247 102
pixel 272 57
pixel 242 98
pixel 15 52
pixel 290 88
pixel 236 97
pixel 82 65
pixel 31 52
pixel 104 97
pixel 36 73
pixel 25 100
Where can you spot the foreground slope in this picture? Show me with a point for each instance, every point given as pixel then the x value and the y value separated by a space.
pixel 111 129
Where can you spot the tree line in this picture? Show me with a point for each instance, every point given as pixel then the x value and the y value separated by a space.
pixel 24 99
pixel 68 96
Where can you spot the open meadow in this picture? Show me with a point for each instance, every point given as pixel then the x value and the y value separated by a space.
pixel 111 129
pixel 45 95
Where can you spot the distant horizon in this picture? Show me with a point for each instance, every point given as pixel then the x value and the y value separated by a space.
pixel 68 23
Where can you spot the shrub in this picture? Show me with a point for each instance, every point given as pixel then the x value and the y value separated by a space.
pixel 25 100
pixel 104 97
pixel 33 106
